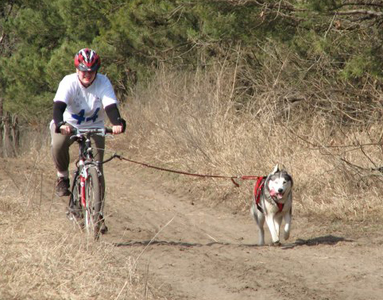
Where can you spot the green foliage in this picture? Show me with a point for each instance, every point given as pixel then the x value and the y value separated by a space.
pixel 134 37
pixel 355 67
pixel 82 19
pixel 60 63
pixel 323 5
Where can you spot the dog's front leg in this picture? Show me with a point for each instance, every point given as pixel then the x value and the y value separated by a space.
pixel 287 226
pixel 273 230
pixel 260 219
pixel 261 223
pixel 277 224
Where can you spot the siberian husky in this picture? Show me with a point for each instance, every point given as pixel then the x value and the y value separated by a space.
pixel 272 201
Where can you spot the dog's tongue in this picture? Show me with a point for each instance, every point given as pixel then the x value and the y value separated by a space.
pixel 275 194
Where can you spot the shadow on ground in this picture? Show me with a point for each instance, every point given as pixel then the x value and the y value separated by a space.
pixel 322 240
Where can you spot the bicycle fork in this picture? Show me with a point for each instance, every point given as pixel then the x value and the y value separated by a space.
pixel 83 177
pixel 82 187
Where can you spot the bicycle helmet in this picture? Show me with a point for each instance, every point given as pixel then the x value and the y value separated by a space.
pixel 87 60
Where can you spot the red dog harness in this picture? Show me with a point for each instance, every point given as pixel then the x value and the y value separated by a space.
pixel 258 186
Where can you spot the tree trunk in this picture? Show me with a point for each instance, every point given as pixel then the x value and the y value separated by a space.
pixel 9 133
pixel 1 127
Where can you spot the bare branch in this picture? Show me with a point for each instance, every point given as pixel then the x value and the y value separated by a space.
pixel 359 3
pixel 360 12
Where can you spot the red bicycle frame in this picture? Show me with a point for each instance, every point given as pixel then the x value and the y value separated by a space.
pixel 83 196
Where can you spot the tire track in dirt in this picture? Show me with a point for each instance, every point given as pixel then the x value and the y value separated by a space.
pixel 210 253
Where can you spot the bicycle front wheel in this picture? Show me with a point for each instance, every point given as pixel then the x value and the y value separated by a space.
pixel 75 212
pixel 93 194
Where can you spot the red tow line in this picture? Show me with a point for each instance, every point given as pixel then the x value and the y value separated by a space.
pixel 232 178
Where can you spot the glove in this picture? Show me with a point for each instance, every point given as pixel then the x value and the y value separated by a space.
pixel 59 124
pixel 123 123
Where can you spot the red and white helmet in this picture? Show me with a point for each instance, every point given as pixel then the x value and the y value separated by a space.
pixel 87 60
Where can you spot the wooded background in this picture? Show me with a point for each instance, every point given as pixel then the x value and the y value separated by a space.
pixel 316 57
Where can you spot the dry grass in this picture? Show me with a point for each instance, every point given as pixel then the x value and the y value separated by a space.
pixel 40 258
pixel 41 263
pixel 194 122
pixel 198 123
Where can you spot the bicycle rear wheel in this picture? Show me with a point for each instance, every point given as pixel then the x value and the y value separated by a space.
pixel 92 211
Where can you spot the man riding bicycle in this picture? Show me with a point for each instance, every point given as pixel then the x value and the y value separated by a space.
pixel 81 101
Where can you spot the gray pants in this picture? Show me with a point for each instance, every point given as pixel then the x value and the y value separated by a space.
pixel 60 151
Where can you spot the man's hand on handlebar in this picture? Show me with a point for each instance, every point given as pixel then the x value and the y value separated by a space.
pixel 120 128
pixel 66 129
pixel 117 129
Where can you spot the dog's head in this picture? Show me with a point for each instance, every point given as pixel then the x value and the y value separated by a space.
pixel 279 183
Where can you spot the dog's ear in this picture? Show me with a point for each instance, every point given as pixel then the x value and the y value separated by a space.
pixel 276 169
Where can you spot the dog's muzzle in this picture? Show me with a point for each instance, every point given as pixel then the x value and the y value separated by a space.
pixel 278 195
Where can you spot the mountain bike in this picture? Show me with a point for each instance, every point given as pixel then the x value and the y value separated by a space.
pixel 87 188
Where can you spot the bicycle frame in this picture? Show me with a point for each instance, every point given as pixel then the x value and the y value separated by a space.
pixel 87 172
pixel 83 174
pixel 85 158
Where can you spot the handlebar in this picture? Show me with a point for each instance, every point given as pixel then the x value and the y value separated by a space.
pixel 101 131
pixel 76 132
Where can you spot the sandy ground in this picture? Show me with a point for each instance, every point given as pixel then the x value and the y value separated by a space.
pixel 186 249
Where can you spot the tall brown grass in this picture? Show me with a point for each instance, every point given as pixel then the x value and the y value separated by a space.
pixel 204 122
pixel 41 256
pixel 199 122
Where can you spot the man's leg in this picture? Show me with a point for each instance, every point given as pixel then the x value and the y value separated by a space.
pixel 60 155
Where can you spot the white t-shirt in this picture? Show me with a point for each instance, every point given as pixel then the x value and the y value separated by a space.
pixel 85 106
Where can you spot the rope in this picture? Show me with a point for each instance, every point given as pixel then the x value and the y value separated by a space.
pixel 232 178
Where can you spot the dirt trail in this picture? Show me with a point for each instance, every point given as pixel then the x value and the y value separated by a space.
pixel 197 252
pixel 187 250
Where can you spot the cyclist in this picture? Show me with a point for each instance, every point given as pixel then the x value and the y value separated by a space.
pixel 81 101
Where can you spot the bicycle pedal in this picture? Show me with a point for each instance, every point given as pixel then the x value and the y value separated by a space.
pixel 104 229
pixel 73 214
pixel 70 216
